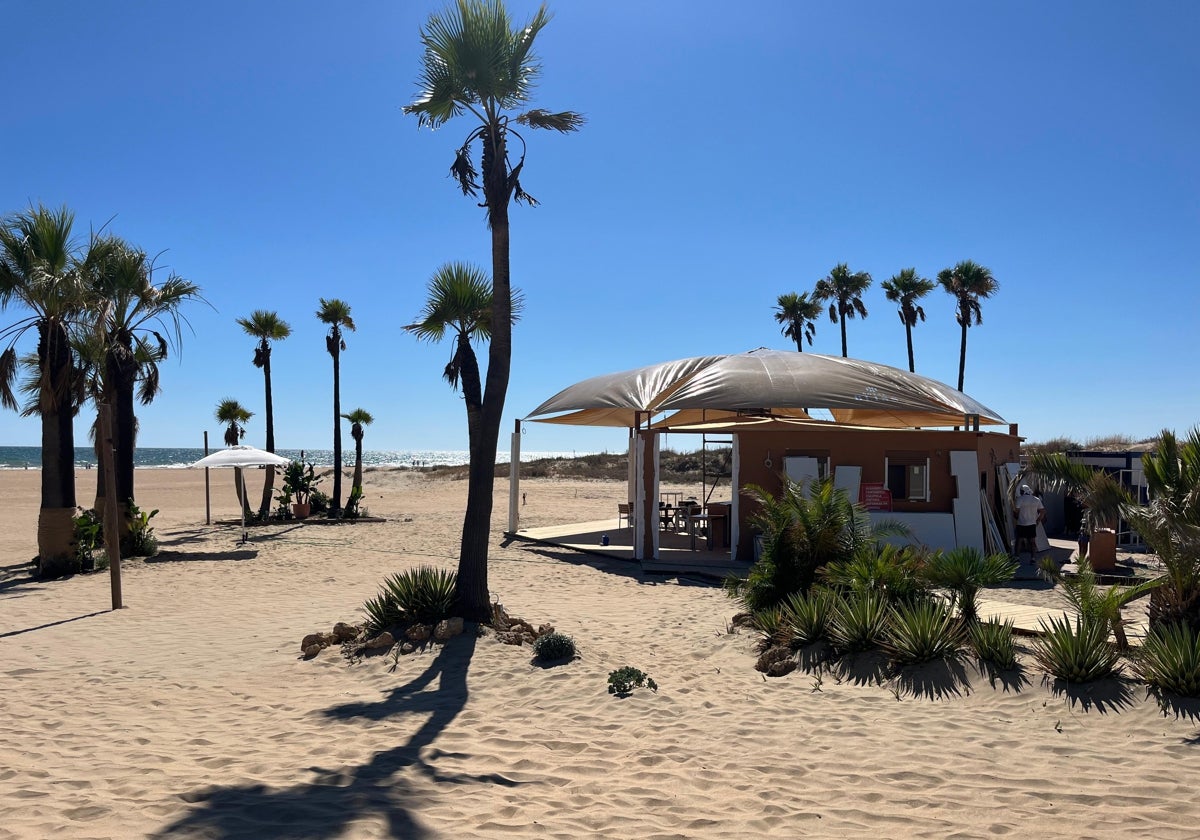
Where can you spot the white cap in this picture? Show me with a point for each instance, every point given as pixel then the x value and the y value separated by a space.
pixel 1026 490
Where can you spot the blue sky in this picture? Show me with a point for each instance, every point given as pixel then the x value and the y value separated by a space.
pixel 729 156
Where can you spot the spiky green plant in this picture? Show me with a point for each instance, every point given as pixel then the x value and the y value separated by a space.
pixel 858 622
pixel 921 631
pixel 1095 603
pixel 964 571
pixel 895 572
pixel 992 642
pixel 1169 659
pixel 423 595
pixel 771 628
pixel 1076 651
pixel 806 616
pixel 804 528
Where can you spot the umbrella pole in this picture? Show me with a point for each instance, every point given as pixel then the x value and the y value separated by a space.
pixel 245 534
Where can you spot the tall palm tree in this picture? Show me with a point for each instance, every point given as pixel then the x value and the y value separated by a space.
pixel 843 290
pixel 475 61
pixel 129 307
pixel 968 282
pixel 799 317
pixel 358 418
pixel 336 313
pixel 235 416
pixel 40 272
pixel 266 327
pixel 905 289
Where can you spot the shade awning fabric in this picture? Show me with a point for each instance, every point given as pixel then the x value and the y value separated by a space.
pixel 241 456
pixel 764 384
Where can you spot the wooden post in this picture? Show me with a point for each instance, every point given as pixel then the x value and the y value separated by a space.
pixel 207 504
pixel 112 519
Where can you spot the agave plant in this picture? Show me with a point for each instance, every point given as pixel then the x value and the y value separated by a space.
pixel 1077 652
pixel 770 626
pixel 1095 604
pixel 964 571
pixel 858 622
pixel 806 615
pixel 1169 660
pixel 423 595
pixel 921 631
pixel 992 642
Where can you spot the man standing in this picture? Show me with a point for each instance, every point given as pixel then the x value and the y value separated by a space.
pixel 1028 513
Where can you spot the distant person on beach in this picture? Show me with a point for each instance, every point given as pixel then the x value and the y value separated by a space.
pixel 1028 512
pixel 1085 535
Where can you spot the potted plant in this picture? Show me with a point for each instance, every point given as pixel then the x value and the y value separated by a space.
pixel 298 483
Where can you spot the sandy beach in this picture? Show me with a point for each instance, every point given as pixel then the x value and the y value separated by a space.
pixel 191 714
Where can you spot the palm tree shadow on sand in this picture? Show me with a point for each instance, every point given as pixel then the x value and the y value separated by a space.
pixel 326 806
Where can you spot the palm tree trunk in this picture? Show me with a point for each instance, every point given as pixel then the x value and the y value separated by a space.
pixel 962 356
pixel 912 368
pixel 843 323
pixel 358 462
pixel 335 503
pixel 264 507
pixel 56 528
pixel 120 397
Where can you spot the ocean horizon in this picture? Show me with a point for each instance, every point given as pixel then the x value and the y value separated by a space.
pixel 30 457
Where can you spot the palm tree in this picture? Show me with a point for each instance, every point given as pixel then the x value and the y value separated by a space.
pixel 40 271
pixel 266 327
pixel 905 289
pixel 844 291
pixel 966 570
pixel 798 315
pixel 477 62
pixel 129 306
pixel 336 313
pixel 235 416
pixel 968 282
pixel 358 418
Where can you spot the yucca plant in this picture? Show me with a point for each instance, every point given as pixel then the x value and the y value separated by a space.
pixel 423 595
pixel 921 631
pixel 771 629
pixel 964 571
pixel 992 642
pixel 1076 651
pixel 1093 602
pixel 858 622
pixel 806 616
pixel 1169 659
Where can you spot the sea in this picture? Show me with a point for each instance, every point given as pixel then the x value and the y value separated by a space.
pixel 30 457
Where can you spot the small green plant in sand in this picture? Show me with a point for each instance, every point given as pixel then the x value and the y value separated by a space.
pixel 992 642
pixel 1076 651
pixel 424 595
pixel 1169 660
pixel 921 632
pixel 623 681
pixel 554 646
pixel 89 538
pixel 807 615
pixel 858 622
pixel 143 543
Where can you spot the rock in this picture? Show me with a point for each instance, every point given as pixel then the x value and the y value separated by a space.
pixel 448 629
pixel 381 642
pixel 407 648
pixel 781 667
pixel 312 650
pixel 545 630
pixel 776 662
pixel 419 633
pixel 311 639
pixel 510 637
pixel 343 632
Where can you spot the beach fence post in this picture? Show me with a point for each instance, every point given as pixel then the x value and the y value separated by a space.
pixel 207 504
pixel 112 522
pixel 514 479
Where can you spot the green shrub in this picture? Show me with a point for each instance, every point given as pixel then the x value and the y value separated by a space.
pixel 858 622
pixel 769 625
pixel 964 571
pixel 623 680
pixel 142 543
pixel 892 571
pixel 992 642
pixel 423 595
pixel 806 616
pixel 921 631
pixel 1170 660
pixel 318 502
pixel 89 538
pixel 553 646
pixel 1076 652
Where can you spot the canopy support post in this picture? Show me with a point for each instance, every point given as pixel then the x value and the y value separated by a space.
pixel 514 479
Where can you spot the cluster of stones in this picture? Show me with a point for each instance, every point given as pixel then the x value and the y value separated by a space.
pixel 776 661
pixel 414 636
pixel 516 631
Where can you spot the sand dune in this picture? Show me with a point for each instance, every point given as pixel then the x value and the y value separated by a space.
pixel 190 713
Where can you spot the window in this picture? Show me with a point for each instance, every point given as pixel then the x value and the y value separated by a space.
pixel 908 477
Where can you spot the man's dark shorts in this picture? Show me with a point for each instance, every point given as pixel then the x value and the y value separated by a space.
pixel 1027 532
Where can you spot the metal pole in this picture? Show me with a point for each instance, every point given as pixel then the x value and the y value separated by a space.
pixel 112 519
pixel 207 503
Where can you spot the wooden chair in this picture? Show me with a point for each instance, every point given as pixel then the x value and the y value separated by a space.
pixel 623 513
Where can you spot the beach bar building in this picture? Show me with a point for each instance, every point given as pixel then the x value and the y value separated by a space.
pixel 909 448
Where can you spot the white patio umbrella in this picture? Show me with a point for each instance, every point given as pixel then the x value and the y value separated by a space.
pixel 240 457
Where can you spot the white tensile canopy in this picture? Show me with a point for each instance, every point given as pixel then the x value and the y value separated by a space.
pixel 241 457
pixel 764 385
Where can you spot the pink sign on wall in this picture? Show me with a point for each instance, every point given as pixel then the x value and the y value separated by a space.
pixel 875 496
